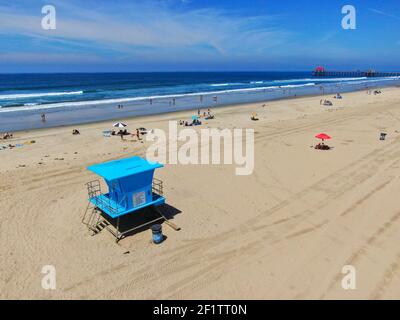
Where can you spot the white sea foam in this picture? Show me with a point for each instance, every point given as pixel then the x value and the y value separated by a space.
pixel 183 95
pixel 37 95
pixel 132 99
pixel 257 82
pixel 224 84
pixel 374 80
pixel 321 79
pixel 298 85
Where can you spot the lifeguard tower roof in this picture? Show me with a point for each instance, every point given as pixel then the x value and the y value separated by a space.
pixel 118 169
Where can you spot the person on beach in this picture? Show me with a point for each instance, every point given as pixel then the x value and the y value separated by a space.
pixel 43 116
pixel 138 134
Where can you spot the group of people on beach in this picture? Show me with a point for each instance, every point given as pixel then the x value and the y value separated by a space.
pixel 207 115
pixel 322 146
pixel 338 96
pixel 7 135
pixel 375 92
pixel 125 132
pixel 172 102
pixel 325 102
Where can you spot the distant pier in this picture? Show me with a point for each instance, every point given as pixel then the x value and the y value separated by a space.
pixel 321 72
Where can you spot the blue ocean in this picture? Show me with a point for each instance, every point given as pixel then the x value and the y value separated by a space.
pixel 74 98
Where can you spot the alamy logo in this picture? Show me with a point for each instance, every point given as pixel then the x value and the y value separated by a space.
pixel 349 280
pixel 203 147
pixel 349 21
pixel 49 20
pixel 49 280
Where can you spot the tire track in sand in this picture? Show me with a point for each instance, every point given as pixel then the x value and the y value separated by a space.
pixel 251 231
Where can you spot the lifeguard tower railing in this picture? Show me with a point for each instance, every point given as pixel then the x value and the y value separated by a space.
pixel 100 200
pixel 157 187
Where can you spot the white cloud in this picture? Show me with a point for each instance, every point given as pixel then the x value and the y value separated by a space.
pixel 150 26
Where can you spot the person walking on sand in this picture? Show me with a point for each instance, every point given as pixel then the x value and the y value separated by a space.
pixel 138 134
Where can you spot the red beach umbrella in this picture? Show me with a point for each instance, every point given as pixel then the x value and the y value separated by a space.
pixel 323 136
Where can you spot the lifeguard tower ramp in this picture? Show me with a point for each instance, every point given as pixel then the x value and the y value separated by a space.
pixel 131 189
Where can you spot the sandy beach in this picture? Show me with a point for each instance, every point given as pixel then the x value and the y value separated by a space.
pixel 284 232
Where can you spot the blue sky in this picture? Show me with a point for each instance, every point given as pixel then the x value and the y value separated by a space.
pixel 198 35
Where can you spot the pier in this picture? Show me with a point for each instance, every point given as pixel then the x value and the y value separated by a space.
pixel 321 72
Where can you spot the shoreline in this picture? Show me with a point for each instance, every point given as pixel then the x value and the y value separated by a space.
pixel 174 112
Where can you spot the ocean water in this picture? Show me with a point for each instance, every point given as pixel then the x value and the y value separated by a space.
pixel 83 97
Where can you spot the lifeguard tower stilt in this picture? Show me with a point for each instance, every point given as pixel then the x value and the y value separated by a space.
pixel 132 189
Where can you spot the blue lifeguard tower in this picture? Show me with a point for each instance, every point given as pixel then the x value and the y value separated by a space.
pixel 131 188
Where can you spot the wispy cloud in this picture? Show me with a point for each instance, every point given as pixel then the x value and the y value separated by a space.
pixel 187 35
pixel 147 27
pixel 384 13
pixel 49 58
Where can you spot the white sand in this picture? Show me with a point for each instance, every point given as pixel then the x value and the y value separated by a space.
pixel 285 231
